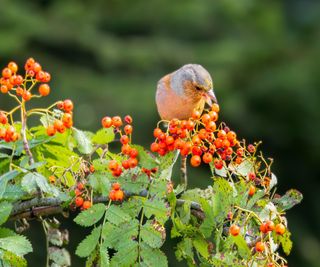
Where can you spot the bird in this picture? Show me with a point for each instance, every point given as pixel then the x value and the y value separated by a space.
pixel 181 92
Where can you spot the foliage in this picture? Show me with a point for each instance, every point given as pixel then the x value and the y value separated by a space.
pixel 128 197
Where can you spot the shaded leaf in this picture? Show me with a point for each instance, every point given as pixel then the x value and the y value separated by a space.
pixel 116 215
pixel 151 236
pixel 153 256
pixel 89 243
pixel 291 198
pixel 126 256
pixel 242 246
pixel 5 178
pixel 17 244
pixel 33 180
pixel 83 141
pixel 5 210
pixel 201 246
pixel 60 256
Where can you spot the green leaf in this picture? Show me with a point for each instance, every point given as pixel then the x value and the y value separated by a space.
pixel 243 248
pixel 134 183
pixel 208 223
pixel 60 256
pixel 288 200
pixel 83 141
pixel 184 250
pixel 156 207
pixel 114 236
pixel 166 164
pixel 221 199
pixel 116 215
pixel 152 236
pixel 5 210
pixel 153 256
pixel 13 192
pixel 17 244
pixel 104 256
pixel 100 183
pixel 284 240
pixel 126 256
pixel 5 232
pixel 89 243
pixel 184 212
pixel 4 179
pixel 103 136
pixel 201 246
pixel 146 159
pixel 33 180
pixel 12 260
pixel 91 216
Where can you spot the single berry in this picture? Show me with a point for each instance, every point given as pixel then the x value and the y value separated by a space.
pixel 195 161
pixel 79 201
pixel 234 230
pixel 86 204
pixel 260 246
pixel 280 229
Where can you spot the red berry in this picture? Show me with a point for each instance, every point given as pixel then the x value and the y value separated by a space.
pixel 128 119
pixel 157 132
pixel 218 164
pixel 113 165
pixel 26 95
pixel 6 73
pixel 134 153
pixel 116 186
pixel 154 147
pixel 270 225
pixel 79 201
pixel 252 190
pixel 80 186
pixel 251 148
pixel 133 162
pixel 117 172
pixel 126 149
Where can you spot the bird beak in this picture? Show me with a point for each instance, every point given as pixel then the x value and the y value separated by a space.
pixel 210 97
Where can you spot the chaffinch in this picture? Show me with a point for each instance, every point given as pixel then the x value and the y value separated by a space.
pixel 184 90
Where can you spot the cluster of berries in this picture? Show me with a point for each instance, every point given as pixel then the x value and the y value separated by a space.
pixel 116 194
pixel 65 121
pixel 80 200
pixel 200 137
pixel 8 132
pixel 11 81
pixel 130 153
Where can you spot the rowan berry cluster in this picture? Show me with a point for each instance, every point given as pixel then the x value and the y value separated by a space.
pixel 116 194
pixel 81 201
pixel 64 121
pixel 130 153
pixel 22 86
pixel 200 137
pixel 7 132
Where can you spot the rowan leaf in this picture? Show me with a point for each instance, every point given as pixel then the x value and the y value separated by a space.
pixel 89 243
pixel 34 180
pixel 116 215
pixel 126 255
pixel 4 179
pixel 242 246
pixel 84 144
pixel 18 244
pixel 151 236
pixel 91 216
pixel 156 207
pixel 153 256
pixel 5 210
pixel 103 136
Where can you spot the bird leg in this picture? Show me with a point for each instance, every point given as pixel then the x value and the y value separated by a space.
pixel 183 169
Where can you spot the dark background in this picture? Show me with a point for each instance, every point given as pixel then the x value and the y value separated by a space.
pixel 264 57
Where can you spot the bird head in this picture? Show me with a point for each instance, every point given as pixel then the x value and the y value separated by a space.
pixel 194 81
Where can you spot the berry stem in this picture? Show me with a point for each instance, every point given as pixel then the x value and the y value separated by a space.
pixel 183 169
pixel 24 134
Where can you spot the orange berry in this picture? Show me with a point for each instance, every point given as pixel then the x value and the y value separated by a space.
pixel 234 230
pixel 134 153
pixel 196 114
pixel 51 131
pixel 222 134
pixel 207 157
pixel 280 229
pixel 67 105
pixel 112 195
pixel 44 89
pixel 154 147
pixel 3 118
pixel 119 195
pixel 13 66
pixel 157 132
pixel 113 165
pixel 270 225
pixel 133 162
pixel 67 120
pixel 218 164
pixel 231 135
pixel 106 122
pixel 26 95
pixel 126 149
pixel 77 192
pixel 260 246
pixel 116 121
pixel 6 73
pixel 215 107
pixel 205 118
pixel 213 115
pixel 79 201
pixel 124 139
pixel 58 125
pixel 116 186
pixel 80 186
pixel 125 164
pixel 4 89
pixel 52 179
pixel 92 169
pixel 19 91
pixel 252 190
pixel 196 140
pixel 86 204
pixel 128 129
pixel 211 126
pixel 195 161
pixel 263 228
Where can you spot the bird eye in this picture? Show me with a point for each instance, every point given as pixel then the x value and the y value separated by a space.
pixel 198 88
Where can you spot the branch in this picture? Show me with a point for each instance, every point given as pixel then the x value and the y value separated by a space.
pixel 37 207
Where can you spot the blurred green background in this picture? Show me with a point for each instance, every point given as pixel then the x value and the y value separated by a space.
pixel 107 56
